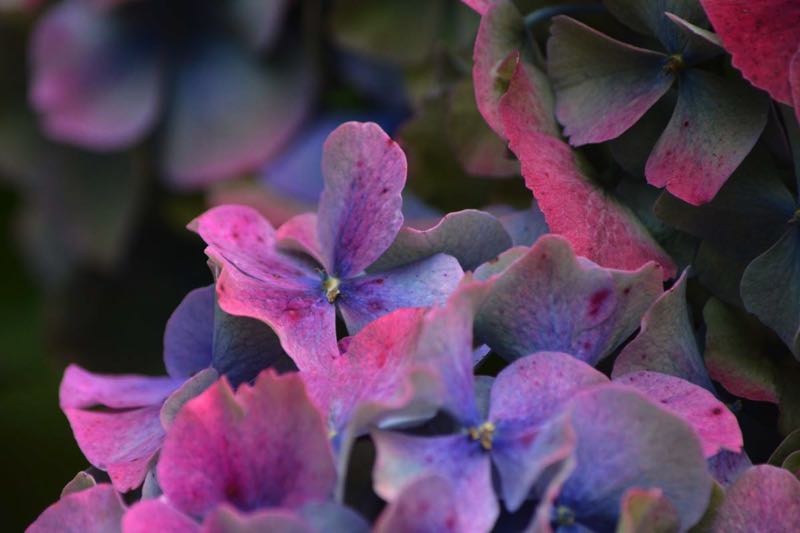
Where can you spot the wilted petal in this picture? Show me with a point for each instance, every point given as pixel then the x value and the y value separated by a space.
pixel 762 37
pixel 771 288
pixel 428 505
pixel 403 460
pixel 471 236
pixel 95 510
pixel 189 335
pixel 157 515
pixel 765 497
pixel 264 446
pixel 94 84
pixel 571 202
pixel 714 126
pixel 625 441
pixel 714 423
pixel 602 86
pixel 666 341
pixel 420 284
pixel 359 210
pixel 230 112
pixel 647 511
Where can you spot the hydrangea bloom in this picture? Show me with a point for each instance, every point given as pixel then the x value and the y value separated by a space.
pixel 295 279
pixel 101 69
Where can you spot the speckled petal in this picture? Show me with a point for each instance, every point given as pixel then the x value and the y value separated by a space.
pixel 359 210
pixel 764 496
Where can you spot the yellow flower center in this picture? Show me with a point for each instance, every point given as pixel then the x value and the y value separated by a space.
pixel 483 434
pixel 331 287
pixel 674 64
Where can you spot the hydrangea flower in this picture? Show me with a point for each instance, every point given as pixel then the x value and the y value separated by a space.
pixel 105 73
pixel 603 87
pixel 515 99
pixel 295 279
pixel 200 343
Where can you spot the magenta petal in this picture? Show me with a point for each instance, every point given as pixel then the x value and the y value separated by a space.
pixel 260 282
pixel 762 37
pixel 359 210
pixel 299 233
pixel 264 446
pixel 428 505
pixel 765 498
pixel 403 460
pixel 481 6
pixel 94 87
pixel 226 519
pixel 95 510
pixel 231 112
pixel 714 423
pixel 157 515
pixel 372 380
pixel 82 389
pixel 602 86
pixel 420 284
pixel 189 335
pixel 572 204
pixel 714 126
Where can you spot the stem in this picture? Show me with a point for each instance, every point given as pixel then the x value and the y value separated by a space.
pixel 546 13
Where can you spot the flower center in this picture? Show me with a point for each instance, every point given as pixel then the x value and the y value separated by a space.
pixel 564 516
pixel 483 434
pixel 674 64
pixel 331 287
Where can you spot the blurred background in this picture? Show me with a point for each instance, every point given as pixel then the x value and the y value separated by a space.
pixel 121 120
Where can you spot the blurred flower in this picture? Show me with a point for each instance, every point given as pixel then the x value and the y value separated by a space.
pixel 106 73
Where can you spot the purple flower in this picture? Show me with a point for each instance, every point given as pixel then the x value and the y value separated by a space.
pixel 105 73
pixel 296 278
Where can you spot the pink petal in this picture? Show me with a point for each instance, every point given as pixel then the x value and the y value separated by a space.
pixel 157 515
pixel 762 37
pixel 765 497
pixel 95 510
pixel 428 505
pixel 82 389
pixel 264 446
pixel 299 233
pixel 571 202
pixel 714 423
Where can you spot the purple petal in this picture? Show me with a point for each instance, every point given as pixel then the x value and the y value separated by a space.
pixel 157 515
pixel 226 519
pixel 264 446
pixel 95 510
pixel 299 233
pixel 548 300
pixel 714 423
pixel 82 389
pixel 332 517
pixel 625 441
pixel 359 210
pixel 403 460
pixel 258 281
pixel 526 226
pixel 666 342
pixel 650 18
pixel 189 335
pixel 420 284
pixel 701 44
pixel 727 466
pixel 230 113
pixel 471 236
pixel 428 505
pixel 714 126
pixel 602 86
pixel 94 86
pixel 765 497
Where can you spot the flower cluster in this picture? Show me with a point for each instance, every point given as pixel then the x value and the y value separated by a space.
pixel 258 428
pixel 526 371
